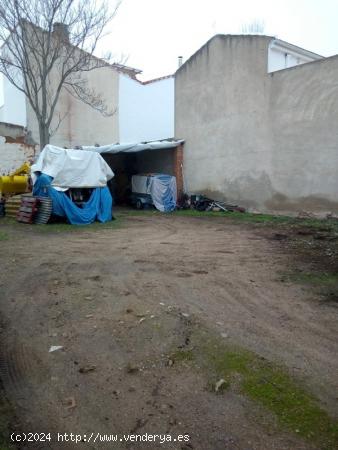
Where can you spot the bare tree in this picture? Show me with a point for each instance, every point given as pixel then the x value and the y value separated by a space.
pixel 47 46
pixel 255 27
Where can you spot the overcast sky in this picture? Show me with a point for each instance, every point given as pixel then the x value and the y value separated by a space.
pixel 153 33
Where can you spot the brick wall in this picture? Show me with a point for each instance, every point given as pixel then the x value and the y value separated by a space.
pixel 13 155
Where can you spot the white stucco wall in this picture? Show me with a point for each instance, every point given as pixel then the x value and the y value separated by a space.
pixel 283 55
pixel 13 109
pixel 146 111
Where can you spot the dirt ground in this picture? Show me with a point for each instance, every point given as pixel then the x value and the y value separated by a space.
pixel 121 301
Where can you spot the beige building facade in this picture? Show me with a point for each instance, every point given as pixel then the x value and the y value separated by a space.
pixel 114 105
pixel 80 124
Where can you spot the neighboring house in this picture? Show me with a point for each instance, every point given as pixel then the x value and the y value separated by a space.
pixel 259 119
pixel 138 111
pixel 146 110
pixel 282 55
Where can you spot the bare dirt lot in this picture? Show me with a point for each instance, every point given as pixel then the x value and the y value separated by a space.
pixel 169 325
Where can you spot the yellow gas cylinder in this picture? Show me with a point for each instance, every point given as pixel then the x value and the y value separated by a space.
pixel 15 184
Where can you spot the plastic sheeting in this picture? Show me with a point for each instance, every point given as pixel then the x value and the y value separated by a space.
pixel 72 168
pixel 135 146
pixel 98 207
pixel 162 189
pixel 140 184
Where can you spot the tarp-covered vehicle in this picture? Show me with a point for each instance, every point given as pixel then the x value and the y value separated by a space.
pixel 154 189
pixel 66 176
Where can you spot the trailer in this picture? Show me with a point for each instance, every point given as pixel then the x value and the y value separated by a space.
pixel 154 189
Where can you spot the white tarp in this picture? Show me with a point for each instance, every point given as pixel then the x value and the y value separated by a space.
pixel 164 192
pixel 135 146
pixel 72 168
pixel 140 184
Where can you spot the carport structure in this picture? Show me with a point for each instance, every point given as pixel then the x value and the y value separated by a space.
pixel 145 157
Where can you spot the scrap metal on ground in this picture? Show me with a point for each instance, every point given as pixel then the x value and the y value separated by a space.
pixel 202 203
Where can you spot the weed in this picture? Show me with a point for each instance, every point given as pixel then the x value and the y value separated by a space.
pixel 182 355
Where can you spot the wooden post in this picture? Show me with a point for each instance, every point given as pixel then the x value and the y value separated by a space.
pixel 178 170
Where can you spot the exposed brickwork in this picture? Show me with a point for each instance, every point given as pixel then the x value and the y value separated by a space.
pixel 13 153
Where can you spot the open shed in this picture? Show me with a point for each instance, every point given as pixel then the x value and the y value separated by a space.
pixel 147 157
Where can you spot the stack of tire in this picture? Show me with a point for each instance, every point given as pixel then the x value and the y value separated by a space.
pixel 44 210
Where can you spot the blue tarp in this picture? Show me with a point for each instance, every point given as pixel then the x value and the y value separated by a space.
pixel 163 192
pixel 98 207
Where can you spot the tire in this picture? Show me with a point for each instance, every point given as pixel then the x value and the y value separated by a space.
pixel 139 204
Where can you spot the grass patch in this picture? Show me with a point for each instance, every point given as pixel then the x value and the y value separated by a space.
pixel 329 225
pixel 3 236
pixel 125 212
pixel 53 228
pixel 325 283
pixel 318 279
pixel 245 217
pixel 182 355
pixel 238 216
pixel 265 383
pixel 66 227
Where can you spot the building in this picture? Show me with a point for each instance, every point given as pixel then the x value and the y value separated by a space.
pixel 259 119
pixel 141 111
pixel 136 111
pixel 257 114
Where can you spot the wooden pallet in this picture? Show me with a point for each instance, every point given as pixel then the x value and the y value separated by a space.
pixel 12 206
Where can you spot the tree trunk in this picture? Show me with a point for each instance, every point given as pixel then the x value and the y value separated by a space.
pixel 44 135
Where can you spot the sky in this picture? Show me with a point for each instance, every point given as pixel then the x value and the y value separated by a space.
pixel 150 34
